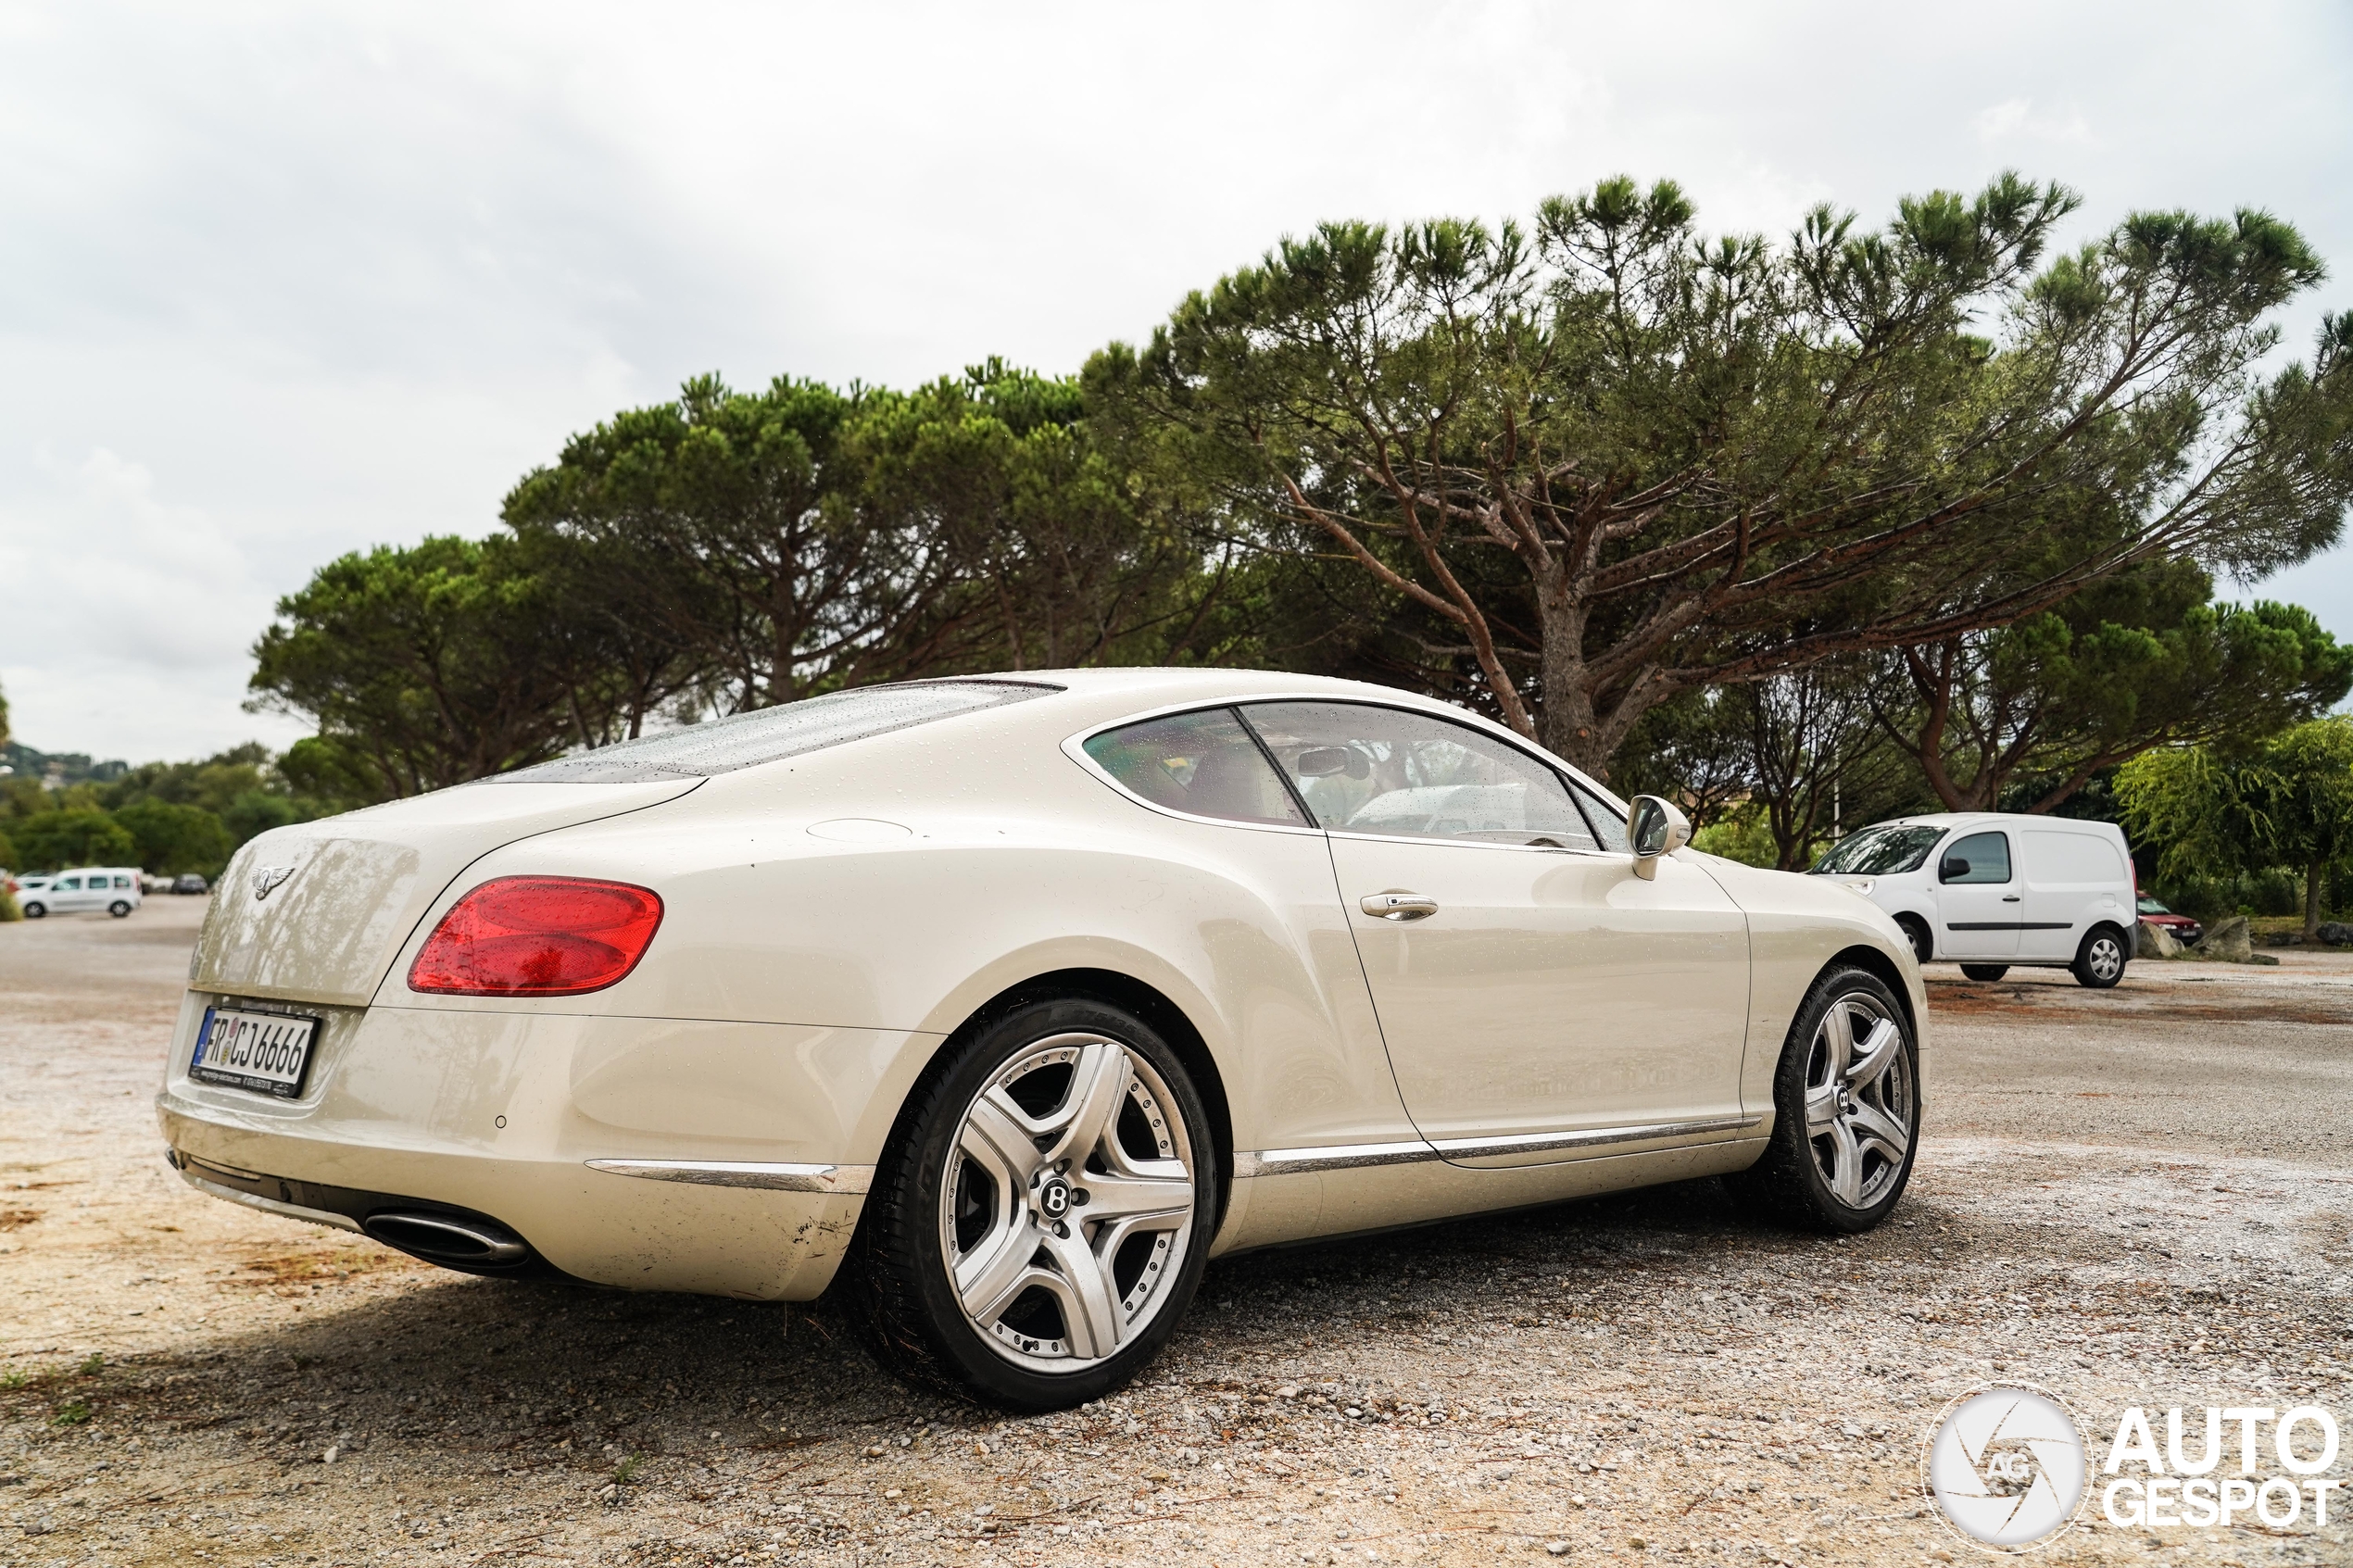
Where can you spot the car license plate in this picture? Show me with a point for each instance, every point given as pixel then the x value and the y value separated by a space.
pixel 264 1052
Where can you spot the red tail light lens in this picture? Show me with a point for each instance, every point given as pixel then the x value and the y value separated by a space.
pixel 537 936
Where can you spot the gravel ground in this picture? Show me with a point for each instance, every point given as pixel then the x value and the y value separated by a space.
pixel 2141 1197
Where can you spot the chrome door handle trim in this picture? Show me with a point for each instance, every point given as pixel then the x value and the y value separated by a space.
pixel 847 1180
pixel 1398 904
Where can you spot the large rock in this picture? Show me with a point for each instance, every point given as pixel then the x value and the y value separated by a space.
pixel 2154 942
pixel 2228 940
pixel 2337 933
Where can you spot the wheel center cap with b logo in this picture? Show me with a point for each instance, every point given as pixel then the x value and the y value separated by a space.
pixel 1053 1197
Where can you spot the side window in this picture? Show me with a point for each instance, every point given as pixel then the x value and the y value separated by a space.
pixel 1205 763
pixel 1981 857
pixel 68 884
pixel 1608 826
pixel 1363 769
pixel 122 882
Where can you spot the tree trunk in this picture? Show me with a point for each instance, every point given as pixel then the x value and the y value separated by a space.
pixel 1568 727
pixel 2312 901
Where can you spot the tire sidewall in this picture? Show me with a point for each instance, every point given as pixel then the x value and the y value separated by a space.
pixel 1916 932
pixel 35 910
pixel 2083 965
pixel 921 1164
pixel 1789 1100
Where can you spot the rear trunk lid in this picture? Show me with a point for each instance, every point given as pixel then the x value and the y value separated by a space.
pixel 316 912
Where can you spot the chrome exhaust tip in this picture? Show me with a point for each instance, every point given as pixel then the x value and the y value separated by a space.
pixel 447 1239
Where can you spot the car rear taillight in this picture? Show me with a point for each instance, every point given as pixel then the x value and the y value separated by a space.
pixel 537 936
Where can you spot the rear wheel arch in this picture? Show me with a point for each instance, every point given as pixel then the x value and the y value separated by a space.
pixel 1115 989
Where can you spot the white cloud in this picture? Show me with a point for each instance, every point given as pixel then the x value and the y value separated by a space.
pixel 329 275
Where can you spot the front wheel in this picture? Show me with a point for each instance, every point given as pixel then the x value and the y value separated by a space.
pixel 119 908
pixel 1847 1108
pixel 2099 962
pixel 1044 1213
pixel 1985 970
pixel 35 910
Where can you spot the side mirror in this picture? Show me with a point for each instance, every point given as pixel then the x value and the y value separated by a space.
pixel 1654 828
pixel 1953 869
pixel 1323 762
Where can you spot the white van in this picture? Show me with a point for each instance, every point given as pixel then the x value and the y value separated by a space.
pixel 112 888
pixel 1993 889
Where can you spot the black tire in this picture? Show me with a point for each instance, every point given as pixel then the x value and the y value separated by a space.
pixel 1788 1182
pixel 2099 962
pixel 1923 945
pixel 1985 970
pixel 119 908
pixel 35 910
pixel 900 1267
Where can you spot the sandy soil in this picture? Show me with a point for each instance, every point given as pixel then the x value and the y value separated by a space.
pixel 2138 1196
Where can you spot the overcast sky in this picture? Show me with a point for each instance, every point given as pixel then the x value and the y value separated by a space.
pixel 284 281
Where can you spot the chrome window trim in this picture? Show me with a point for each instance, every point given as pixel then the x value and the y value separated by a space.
pixel 1074 748
pixel 773 1176
pixel 1348 1157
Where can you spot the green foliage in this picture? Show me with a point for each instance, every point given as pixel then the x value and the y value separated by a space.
pixel 71 1412
pixel 426 666
pixel 80 835
pixel 172 839
pixel 3 719
pixel 2285 803
pixel 9 909
pixel 2140 659
pixel 1607 458
pixel 1740 834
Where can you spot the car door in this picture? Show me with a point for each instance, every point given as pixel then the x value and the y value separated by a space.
pixel 1538 1000
pixel 1978 897
pixel 65 896
pixel 2068 873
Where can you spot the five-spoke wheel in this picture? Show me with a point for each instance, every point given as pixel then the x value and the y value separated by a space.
pixel 1847 1102
pixel 1043 1215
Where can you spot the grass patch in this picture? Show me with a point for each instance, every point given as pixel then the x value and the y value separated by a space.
pixel 73 1413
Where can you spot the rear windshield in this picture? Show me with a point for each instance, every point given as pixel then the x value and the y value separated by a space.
pixel 746 740
pixel 1881 851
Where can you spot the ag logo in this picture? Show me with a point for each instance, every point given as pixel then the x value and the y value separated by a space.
pixel 2007 1467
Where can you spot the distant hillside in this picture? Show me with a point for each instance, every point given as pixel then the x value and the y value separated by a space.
pixel 63 767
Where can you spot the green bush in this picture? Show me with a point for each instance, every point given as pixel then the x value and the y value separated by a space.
pixel 1740 834
pixel 83 835
pixel 8 910
pixel 177 838
pixel 2276 892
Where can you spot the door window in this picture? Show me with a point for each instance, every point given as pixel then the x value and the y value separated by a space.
pixel 1363 769
pixel 1608 826
pixel 1981 857
pixel 1205 763
pixel 69 885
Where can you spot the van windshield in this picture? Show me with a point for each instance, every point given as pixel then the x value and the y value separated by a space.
pixel 1879 851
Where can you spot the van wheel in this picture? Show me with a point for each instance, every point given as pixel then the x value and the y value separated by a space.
pixel 35 910
pixel 119 908
pixel 1847 1101
pixel 1923 945
pixel 1985 970
pixel 1044 1211
pixel 2099 962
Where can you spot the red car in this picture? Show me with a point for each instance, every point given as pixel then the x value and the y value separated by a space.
pixel 2180 927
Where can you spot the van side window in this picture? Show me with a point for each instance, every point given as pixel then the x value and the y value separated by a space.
pixel 1981 857
pixel 122 882
pixel 68 884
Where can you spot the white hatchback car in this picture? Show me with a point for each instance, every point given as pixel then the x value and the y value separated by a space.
pixel 1992 889
pixel 1012 1000
pixel 112 888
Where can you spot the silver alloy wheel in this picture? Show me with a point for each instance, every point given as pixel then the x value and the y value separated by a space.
pixel 2104 958
pixel 1068 1203
pixel 1858 1100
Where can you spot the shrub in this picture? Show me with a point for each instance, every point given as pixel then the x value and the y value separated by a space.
pixel 80 836
pixel 177 838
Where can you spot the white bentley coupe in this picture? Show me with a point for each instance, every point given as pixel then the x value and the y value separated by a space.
pixel 1009 1002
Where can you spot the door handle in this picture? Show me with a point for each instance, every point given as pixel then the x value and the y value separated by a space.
pixel 2009 897
pixel 1396 904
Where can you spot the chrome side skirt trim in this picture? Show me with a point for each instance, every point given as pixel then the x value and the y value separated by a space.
pixel 1596 1138
pixel 1347 1157
pixel 1330 1157
pixel 271 1205
pixel 847 1180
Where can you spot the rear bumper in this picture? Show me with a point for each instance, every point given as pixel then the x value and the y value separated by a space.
pixel 724 1166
